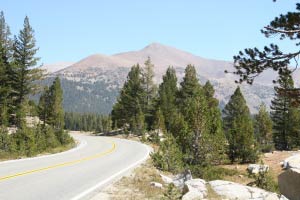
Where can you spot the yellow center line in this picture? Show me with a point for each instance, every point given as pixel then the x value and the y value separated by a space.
pixel 61 164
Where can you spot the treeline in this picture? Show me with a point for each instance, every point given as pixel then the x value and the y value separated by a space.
pixel 87 122
pixel 18 76
pixel 197 134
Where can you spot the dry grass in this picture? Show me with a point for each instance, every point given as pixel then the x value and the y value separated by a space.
pixel 271 159
pixel 136 186
pixel 242 175
pixel 211 194
pixel 274 159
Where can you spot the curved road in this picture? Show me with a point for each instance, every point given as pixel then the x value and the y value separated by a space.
pixel 73 174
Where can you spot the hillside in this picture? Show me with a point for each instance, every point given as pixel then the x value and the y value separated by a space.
pixel 92 84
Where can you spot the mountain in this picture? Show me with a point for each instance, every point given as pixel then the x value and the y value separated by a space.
pixel 93 83
pixel 51 68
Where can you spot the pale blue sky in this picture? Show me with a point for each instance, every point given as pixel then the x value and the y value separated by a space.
pixel 68 30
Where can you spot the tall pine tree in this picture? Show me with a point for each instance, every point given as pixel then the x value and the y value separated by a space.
pixel 56 115
pixel 150 92
pixel 44 106
pixel 282 108
pixel 167 97
pixel 193 107
pixel 128 109
pixel 214 122
pixel 263 128
pixel 24 75
pixel 239 129
pixel 5 70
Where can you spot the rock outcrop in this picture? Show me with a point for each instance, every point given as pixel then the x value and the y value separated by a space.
pixel 195 189
pixel 289 183
pixel 231 190
pixel 180 179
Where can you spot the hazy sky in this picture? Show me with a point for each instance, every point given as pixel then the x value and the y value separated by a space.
pixel 68 30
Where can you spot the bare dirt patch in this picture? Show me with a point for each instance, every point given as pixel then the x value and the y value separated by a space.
pixel 136 186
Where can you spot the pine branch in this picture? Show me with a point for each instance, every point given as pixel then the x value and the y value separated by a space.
pixel 282 31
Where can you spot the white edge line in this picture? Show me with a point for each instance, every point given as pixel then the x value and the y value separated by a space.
pixel 82 143
pixel 86 192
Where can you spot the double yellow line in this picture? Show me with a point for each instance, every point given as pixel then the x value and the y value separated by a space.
pixel 61 164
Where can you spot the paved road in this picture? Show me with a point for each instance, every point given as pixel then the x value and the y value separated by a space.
pixel 73 174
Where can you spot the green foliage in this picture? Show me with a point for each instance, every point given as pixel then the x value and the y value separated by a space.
pixel 251 62
pixel 167 97
pixel 56 114
pixel 169 156
pixel 264 180
pixel 285 116
pixel 17 81
pixel 214 125
pixel 193 106
pixel 198 129
pixel 88 122
pixel 180 130
pixel 172 193
pixel 150 92
pixel 263 129
pixel 24 75
pixel 210 173
pixel 130 104
pixel 4 140
pixel 5 71
pixel 293 139
pixel 239 129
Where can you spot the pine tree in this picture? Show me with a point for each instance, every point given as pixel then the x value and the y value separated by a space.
pixel 293 139
pixel 129 106
pixel 214 122
pixel 251 62
pixel 4 140
pixel 24 74
pixel 150 91
pixel 167 96
pixel 44 106
pixel 194 107
pixel 189 86
pixel 282 107
pixel 239 129
pixel 263 128
pixel 169 156
pixel 138 122
pixel 56 114
pixel 181 132
pixel 5 70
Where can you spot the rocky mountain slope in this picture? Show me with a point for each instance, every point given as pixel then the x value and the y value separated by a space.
pixel 93 83
pixel 51 68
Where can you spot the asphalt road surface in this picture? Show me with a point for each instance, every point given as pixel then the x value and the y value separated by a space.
pixel 71 175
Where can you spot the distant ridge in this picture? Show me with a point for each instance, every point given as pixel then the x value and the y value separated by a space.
pixel 109 73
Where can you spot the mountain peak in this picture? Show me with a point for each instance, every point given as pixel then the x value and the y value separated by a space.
pixel 156 46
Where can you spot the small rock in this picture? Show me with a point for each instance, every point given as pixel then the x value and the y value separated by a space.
pixel 157 185
pixel 281 164
pixel 241 176
pixel 255 168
